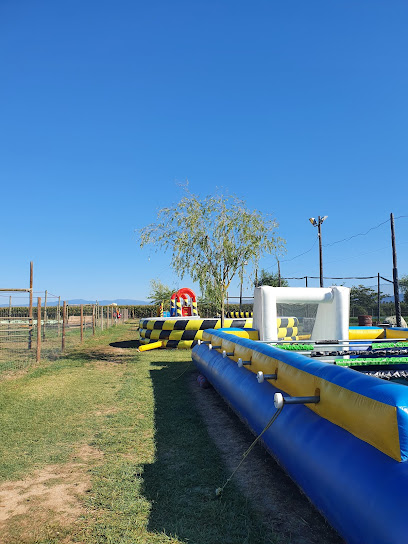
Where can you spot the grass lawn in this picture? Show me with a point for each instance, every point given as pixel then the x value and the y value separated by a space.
pixel 106 446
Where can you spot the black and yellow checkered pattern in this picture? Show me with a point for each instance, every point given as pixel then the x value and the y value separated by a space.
pixel 193 324
pixel 184 333
pixel 238 313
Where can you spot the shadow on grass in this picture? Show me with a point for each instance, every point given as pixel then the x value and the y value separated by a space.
pixel 181 483
pixel 132 344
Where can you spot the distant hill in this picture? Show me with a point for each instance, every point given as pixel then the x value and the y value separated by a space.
pixel 118 301
pixel 76 301
pixel 391 298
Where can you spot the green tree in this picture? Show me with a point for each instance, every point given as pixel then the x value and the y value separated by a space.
pixel 211 300
pixel 212 238
pixel 363 299
pixel 403 284
pixel 160 293
pixel 271 278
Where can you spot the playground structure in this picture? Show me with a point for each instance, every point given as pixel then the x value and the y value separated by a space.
pixel 180 305
pixel 341 435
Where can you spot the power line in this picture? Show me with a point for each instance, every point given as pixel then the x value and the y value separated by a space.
pixel 356 235
pixel 338 242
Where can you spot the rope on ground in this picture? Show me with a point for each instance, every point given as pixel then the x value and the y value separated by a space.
pixel 219 490
pixel 184 371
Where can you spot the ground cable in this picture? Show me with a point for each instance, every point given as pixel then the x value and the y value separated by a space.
pixel 219 490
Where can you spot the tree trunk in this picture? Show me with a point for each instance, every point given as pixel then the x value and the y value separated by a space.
pixel 222 312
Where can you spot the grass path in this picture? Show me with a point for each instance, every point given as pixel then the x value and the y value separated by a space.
pixel 106 446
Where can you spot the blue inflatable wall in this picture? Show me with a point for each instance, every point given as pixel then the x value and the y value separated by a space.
pixel 353 470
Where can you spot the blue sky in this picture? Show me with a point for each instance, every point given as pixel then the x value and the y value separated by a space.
pixel 299 108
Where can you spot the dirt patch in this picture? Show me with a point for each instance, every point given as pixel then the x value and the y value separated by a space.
pixel 272 493
pixel 48 503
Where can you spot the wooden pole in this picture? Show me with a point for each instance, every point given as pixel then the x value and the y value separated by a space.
pixel 378 298
pixel 59 314
pixel 93 320
pixel 64 314
pixel 101 310
pixel 82 323
pixel 319 233
pixel 395 275
pixel 38 357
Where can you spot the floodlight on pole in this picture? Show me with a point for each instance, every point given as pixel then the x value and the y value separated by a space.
pixel 318 224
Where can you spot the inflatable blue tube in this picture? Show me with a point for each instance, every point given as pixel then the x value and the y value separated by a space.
pixel 360 491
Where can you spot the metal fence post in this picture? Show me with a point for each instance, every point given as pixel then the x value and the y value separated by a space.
pixel 45 313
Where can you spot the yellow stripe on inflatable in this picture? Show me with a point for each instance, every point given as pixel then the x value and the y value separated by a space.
pixel 151 345
pixel 156 334
pixel 289 321
pixel 180 344
pixel 287 331
pixel 376 423
pixel 395 333
pixel 365 333
pixel 252 334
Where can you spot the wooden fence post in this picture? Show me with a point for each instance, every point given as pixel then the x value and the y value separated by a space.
pixel 93 320
pixel 101 310
pixel 64 317
pixel 81 322
pixel 38 357
pixel 59 315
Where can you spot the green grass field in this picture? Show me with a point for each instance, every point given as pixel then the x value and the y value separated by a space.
pixel 112 436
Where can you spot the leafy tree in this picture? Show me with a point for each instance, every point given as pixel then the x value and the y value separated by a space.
pixel 160 293
pixel 363 299
pixel 212 297
pixel 212 238
pixel 403 284
pixel 271 278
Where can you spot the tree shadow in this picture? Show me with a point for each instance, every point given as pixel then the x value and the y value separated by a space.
pixel 181 482
pixel 188 467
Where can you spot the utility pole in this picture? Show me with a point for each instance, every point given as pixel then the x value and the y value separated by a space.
pixel 318 224
pixel 395 274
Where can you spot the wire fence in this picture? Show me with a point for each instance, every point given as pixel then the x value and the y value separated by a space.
pixel 378 302
pixel 29 334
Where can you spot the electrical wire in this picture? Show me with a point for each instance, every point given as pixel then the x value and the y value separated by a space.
pixel 356 235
